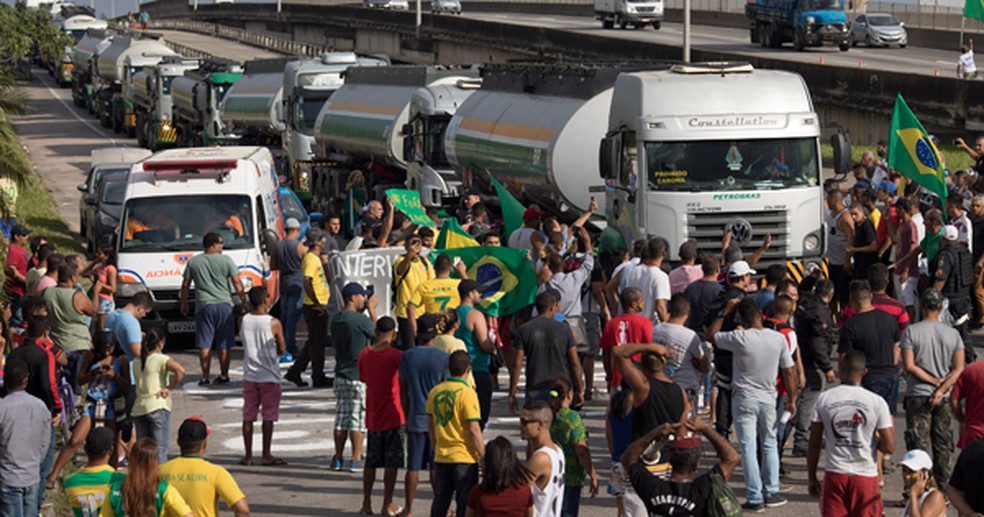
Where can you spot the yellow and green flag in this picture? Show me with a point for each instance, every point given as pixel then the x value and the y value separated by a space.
pixel 911 151
pixel 453 236
pixel 506 276
pixel 974 9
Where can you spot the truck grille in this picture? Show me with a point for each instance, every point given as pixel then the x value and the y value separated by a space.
pixel 645 9
pixel 709 229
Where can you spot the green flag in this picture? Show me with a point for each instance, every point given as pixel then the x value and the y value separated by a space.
pixel 911 151
pixel 974 9
pixel 512 209
pixel 408 202
pixel 506 275
pixel 453 236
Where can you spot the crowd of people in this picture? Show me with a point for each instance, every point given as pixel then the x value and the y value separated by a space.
pixel 690 354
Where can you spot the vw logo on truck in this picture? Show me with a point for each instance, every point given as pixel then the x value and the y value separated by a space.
pixel 741 231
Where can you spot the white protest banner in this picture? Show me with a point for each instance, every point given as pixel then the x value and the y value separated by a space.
pixel 372 267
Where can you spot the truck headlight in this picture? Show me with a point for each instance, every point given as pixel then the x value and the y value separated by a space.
pixel 130 289
pixel 811 242
pixel 810 20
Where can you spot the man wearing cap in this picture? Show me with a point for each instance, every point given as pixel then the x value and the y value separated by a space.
pixel 201 483
pixel 351 332
pixel 379 366
pixel 529 236
pixel 287 257
pixel 474 331
pixel 758 353
pixel 685 492
pixel 850 422
pixel 739 278
pixel 24 441
pixel 215 325
pixel 87 489
pixel 409 271
pixel 315 310
pixel 933 357
pixel 952 274
pixel 421 369
pixel 17 257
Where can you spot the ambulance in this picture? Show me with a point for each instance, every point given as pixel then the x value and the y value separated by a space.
pixel 172 200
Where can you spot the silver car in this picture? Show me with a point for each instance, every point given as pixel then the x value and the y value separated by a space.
pixel 446 6
pixel 878 30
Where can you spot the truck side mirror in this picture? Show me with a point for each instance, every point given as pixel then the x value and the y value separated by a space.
pixel 268 240
pixel 610 155
pixel 408 148
pixel 841 145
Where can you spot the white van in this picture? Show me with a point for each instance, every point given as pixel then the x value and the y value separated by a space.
pixel 177 196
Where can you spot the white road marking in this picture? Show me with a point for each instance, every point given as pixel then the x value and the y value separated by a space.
pixel 73 111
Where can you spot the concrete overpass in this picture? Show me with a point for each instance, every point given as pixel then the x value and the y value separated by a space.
pixel 860 99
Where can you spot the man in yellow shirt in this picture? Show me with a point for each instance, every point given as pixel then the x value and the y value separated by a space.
pixel 453 418
pixel 200 482
pixel 315 312
pixel 436 294
pixel 87 489
pixel 409 271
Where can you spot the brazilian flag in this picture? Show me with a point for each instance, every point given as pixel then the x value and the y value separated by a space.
pixel 974 9
pixel 453 236
pixel 512 209
pixel 506 275
pixel 912 152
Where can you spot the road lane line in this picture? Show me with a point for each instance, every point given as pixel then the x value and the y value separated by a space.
pixel 71 109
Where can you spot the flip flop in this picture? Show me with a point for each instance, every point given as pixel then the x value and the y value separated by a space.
pixel 395 513
pixel 246 463
pixel 275 463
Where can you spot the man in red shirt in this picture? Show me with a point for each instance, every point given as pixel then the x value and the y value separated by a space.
pixel 16 270
pixel 379 369
pixel 878 277
pixel 628 327
pixel 969 389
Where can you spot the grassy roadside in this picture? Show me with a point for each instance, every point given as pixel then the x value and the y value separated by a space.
pixel 36 210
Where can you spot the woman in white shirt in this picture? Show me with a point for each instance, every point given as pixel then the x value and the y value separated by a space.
pixel 925 499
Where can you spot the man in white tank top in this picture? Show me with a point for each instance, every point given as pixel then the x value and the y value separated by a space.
pixel 546 461
pixel 263 344
pixel 529 234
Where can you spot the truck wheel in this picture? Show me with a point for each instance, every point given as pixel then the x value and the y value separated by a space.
pixel 754 34
pixel 622 24
pixel 844 45
pixel 657 25
pixel 607 23
pixel 798 41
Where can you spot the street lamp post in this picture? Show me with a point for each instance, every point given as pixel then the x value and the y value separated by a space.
pixel 686 30
pixel 419 19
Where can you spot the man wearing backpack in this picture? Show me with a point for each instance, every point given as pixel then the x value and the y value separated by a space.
pixel 952 272
pixel 685 492
pixel 409 271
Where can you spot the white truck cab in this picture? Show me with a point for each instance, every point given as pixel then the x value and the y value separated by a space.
pixel 173 199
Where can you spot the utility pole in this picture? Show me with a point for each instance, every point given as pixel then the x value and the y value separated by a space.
pixel 686 30
pixel 419 18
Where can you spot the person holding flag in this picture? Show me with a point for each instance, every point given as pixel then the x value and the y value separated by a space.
pixel 912 153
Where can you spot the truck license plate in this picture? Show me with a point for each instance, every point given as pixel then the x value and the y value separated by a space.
pixel 181 327
pixel 645 20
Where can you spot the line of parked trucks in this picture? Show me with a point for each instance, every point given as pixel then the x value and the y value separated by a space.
pixel 681 151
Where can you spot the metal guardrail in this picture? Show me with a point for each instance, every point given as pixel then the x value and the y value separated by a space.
pixel 252 38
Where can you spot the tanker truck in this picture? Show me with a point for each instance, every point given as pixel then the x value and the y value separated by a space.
pixel 308 84
pixel 61 67
pixel 251 109
pixel 150 97
pixel 115 66
pixel 428 170
pixel 534 128
pixel 682 159
pixel 83 67
pixel 196 96
pixel 361 126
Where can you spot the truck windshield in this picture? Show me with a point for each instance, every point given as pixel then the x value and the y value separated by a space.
pixel 178 223
pixel 699 166
pixel 433 140
pixel 821 5
pixel 307 113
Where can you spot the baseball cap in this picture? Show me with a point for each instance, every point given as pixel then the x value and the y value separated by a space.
pixel 917 460
pixel 353 289
pixel 193 430
pixel 533 213
pixel 99 442
pixel 19 229
pixel 950 233
pixel 686 443
pixel 426 327
pixel 292 224
pixel 887 186
pixel 740 268
pixel 467 286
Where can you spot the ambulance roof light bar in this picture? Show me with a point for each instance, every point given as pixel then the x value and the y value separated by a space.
pixel 183 167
